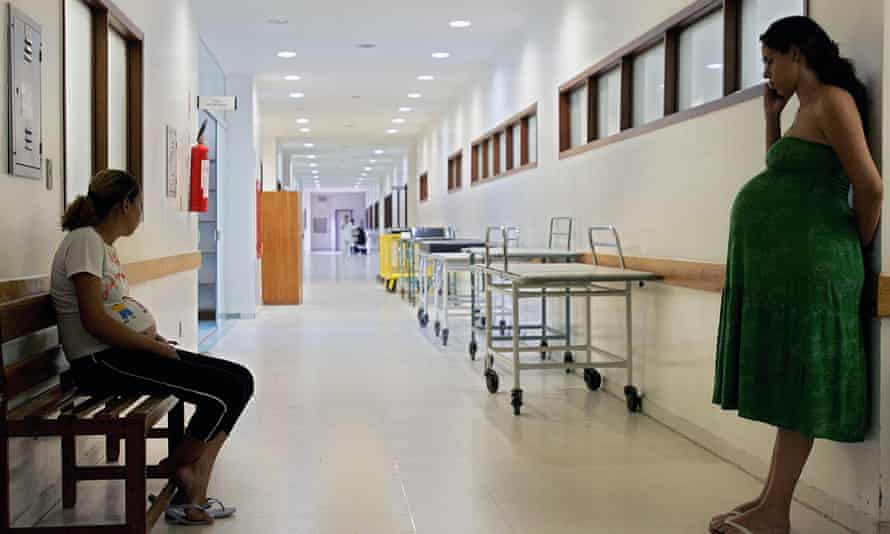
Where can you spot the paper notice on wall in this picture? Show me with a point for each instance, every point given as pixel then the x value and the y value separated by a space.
pixel 172 162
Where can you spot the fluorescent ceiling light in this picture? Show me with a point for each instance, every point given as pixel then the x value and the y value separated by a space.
pixel 302 121
pixel 305 130
pixel 293 78
pixel 414 95
pixel 460 24
pixel 287 54
pixel 310 156
pixel 296 95
pixel 313 164
pixel 314 172
pixel 308 145
pixel 441 55
pixel 405 109
pixel 715 66
pixel 368 168
pixel 398 121
pixel 278 20
pixel 392 131
pixel 425 78
pixel 378 152
pixel 373 161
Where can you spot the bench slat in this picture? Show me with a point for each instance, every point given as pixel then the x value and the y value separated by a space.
pixel 154 409
pixel 47 401
pixel 84 409
pixel 117 406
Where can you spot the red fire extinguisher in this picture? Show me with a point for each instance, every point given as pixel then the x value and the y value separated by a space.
pixel 200 173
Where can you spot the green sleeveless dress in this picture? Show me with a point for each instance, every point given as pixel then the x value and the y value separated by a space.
pixel 790 348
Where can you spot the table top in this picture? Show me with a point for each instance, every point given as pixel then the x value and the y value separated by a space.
pixel 537 273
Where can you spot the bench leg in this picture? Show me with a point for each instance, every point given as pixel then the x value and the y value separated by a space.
pixel 5 514
pixel 112 448
pixel 69 468
pixel 136 482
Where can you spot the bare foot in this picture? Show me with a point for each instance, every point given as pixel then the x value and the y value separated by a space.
pixel 187 478
pixel 761 521
pixel 717 520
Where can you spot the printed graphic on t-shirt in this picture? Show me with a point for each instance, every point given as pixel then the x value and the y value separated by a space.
pixel 114 283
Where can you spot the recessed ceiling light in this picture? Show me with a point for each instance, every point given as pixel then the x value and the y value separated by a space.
pixel 278 20
pixel 311 156
pixel 302 121
pixel 372 161
pixel 297 95
pixel 367 45
pixel 293 78
pixel 287 54
pixel 313 164
pixel 314 172
pixel 414 95
pixel 425 78
pixel 308 145
pixel 368 168
pixel 398 121
pixel 460 24
pixel 406 109
pixel 715 66
pixel 305 130
pixel 378 151
pixel 441 55
pixel 392 131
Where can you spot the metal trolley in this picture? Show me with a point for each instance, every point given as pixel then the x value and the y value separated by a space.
pixel 559 251
pixel 410 240
pixel 444 261
pixel 531 280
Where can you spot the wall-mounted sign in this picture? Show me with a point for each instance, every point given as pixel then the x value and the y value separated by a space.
pixel 172 162
pixel 218 103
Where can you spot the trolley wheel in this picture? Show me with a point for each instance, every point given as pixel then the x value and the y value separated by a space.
pixel 634 400
pixel 424 320
pixel 482 321
pixel 420 315
pixel 593 379
pixel 437 327
pixel 445 337
pixel 503 327
pixel 474 348
pixel 391 286
pixel 492 381
pixel 544 345
pixel 568 357
pixel 516 400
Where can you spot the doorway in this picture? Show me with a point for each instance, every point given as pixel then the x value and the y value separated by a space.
pixel 339 215
pixel 209 237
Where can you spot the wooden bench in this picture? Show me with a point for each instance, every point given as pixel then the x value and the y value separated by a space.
pixel 38 400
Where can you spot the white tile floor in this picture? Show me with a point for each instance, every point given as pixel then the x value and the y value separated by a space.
pixel 363 425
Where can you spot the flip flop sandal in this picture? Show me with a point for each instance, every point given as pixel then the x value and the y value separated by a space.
pixel 213 506
pixel 178 515
pixel 729 515
pixel 744 530
pixel 217 509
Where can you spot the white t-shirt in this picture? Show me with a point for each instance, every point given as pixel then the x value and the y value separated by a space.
pixel 83 251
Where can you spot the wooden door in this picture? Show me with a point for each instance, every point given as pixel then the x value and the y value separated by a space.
pixel 282 248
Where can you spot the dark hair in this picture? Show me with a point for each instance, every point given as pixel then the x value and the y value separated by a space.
pixel 107 189
pixel 822 54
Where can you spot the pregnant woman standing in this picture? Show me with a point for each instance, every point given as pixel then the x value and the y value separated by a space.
pixel 790 350
pixel 112 343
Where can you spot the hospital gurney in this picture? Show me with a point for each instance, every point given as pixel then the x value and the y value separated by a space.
pixel 560 229
pixel 443 260
pixel 530 280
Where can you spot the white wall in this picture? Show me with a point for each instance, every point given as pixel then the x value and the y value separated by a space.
pixel 327 208
pixel 669 193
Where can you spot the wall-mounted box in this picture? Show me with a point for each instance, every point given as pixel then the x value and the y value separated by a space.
pixel 25 92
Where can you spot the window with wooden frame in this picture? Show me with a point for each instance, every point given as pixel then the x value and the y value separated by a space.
pixel 103 88
pixel 424 187
pixel 455 171
pixel 510 147
pixel 703 59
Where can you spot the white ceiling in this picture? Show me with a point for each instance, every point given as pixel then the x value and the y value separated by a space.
pixel 335 71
